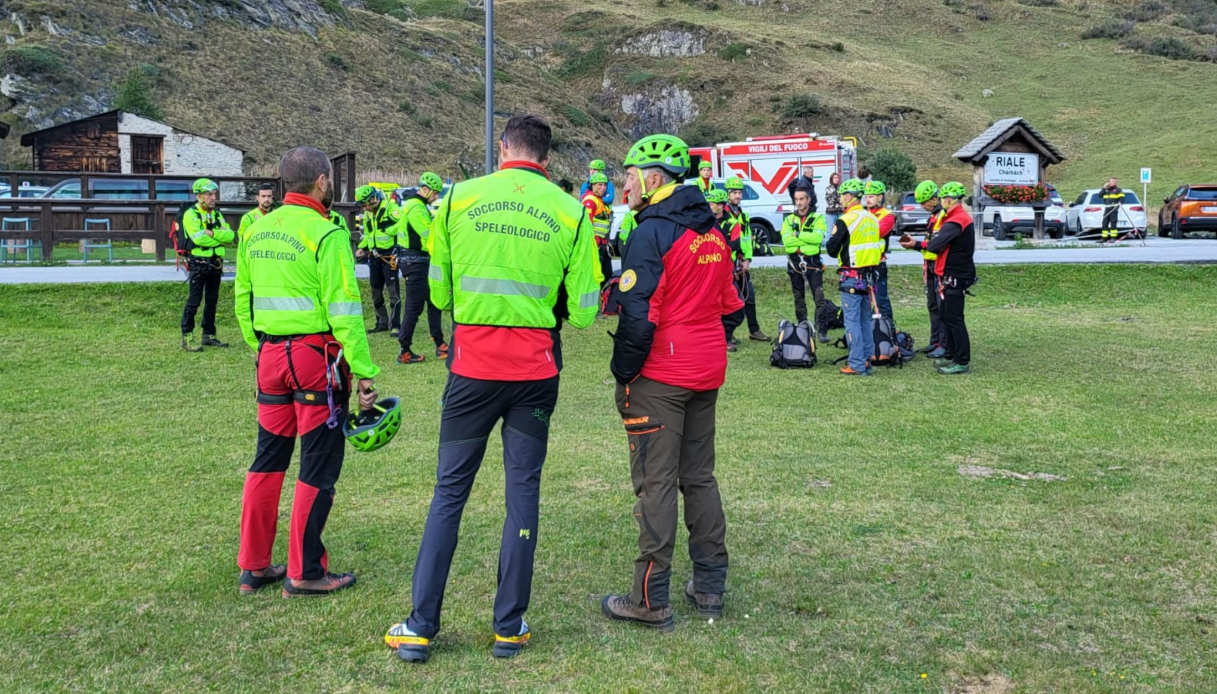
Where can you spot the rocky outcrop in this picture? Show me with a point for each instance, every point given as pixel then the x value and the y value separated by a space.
pixel 665 108
pixel 682 41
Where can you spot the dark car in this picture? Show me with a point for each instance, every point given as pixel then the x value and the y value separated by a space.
pixel 909 214
pixel 1189 208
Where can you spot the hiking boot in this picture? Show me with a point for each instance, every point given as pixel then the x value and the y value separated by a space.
pixel 823 337
pixel 331 583
pixel 937 353
pixel 927 349
pixel 849 371
pixel 394 332
pixel 251 581
pixel 441 350
pixel 620 607
pixel 952 369
pixel 408 357
pixel 731 347
pixel 189 344
pixel 510 646
pixel 211 341
pixel 758 336
pixel 731 340
pixel 409 646
pixel 945 361
pixel 707 604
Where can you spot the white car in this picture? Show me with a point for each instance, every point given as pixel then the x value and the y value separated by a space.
pixel 1085 214
pixel 761 207
pixel 1002 221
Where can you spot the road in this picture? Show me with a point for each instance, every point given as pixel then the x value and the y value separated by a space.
pixel 1155 250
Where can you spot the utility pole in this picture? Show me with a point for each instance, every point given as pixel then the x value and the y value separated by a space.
pixel 489 86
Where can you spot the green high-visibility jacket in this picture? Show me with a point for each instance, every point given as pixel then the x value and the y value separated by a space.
pixel 803 234
pixel 504 245
pixel 197 222
pixel 248 219
pixel 414 225
pixel 340 221
pixel 733 216
pixel 378 231
pixel 296 276
pixel 628 224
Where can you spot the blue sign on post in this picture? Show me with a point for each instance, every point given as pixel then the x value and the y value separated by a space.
pixel 1145 175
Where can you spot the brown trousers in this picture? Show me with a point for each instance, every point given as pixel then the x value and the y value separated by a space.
pixel 671 436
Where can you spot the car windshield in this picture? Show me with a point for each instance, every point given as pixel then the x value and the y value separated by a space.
pixel 1202 194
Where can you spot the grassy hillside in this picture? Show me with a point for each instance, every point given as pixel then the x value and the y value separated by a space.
pixel 400 81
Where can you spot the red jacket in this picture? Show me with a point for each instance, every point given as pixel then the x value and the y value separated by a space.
pixel 675 287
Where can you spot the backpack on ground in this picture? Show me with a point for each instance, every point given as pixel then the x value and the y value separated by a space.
pixel 793 347
pixel 887 349
pixel 829 316
pixel 182 244
pixel 905 341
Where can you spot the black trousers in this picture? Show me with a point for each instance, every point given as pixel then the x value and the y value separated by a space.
pixel 471 409
pixel 814 276
pixel 1110 219
pixel 606 263
pixel 205 274
pixel 959 346
pixel 381 277
pixel 933 304
pixel 733 321
pixel 418 296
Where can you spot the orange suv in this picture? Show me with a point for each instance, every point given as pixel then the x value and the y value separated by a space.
pixel 1189 208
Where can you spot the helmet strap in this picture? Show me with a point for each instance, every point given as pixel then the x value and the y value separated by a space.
pixel 642 190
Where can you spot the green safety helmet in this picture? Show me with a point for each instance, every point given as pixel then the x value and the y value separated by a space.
pixel 953 189
pixel 734 183
pixel 597 164
pixel 716 195
pixel 203 185
pixel 367 194
pixel 874 188
pixel 372 429
pixel 597 177
pixel 705 164
pixel 431 180
pixel 926 190
pixel 853 186
pixel 667 152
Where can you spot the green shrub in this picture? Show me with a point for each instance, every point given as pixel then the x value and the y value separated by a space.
pixel 336 61
pixel 576 117
pixel 639 77
pixel 33 59
pixel 135 96
pixel 1168 47
pixel 894 168
pixel 733 52
pixel 802 106
pixel 1114 29
pixel 580 64
pixel 334 7
pixel 702 133
pixel 1145 11
pixel 406 107
pixel 1040 3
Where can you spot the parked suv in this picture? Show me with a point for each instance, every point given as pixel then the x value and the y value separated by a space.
pixel 1003 220
pixel 1189 208
pixel 910 214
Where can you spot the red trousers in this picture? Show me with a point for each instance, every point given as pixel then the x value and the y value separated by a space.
pixel 292 376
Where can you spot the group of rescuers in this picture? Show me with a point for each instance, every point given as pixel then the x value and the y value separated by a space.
pixel 513 257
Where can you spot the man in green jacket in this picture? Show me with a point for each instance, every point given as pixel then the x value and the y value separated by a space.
pixel 379 246
pixel 266 201
pixel 512 255
pixel 298 305
pixel 414 261
pixel 802 234
pixel 208 232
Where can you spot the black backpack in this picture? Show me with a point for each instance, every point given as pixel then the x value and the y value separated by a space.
pixel 793 347
pixel 829 316
pixel 887 350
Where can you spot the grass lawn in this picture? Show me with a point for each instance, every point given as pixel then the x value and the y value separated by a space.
pixel 863 560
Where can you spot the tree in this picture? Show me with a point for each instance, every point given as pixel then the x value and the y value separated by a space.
pixel 894 168
pixel 135 96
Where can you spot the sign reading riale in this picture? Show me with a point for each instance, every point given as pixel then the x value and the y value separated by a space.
pixel 1012 168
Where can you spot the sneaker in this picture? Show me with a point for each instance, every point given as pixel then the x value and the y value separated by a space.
pixel 937 353
pixel 731 347
pixel 441 350
pixel 394 332
pixel 510 646
pixel 189 344
pixel 952 369
pixel 707 604
pixel 849 371
pixel 927 349
pixel 620 607
pixel 331 583
pixel 823 337
pixel 250 582
pixel 758 336
pixel 408 357
pixel 731 340
pixel 211 341
pixel 945 361
pixel 409 646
